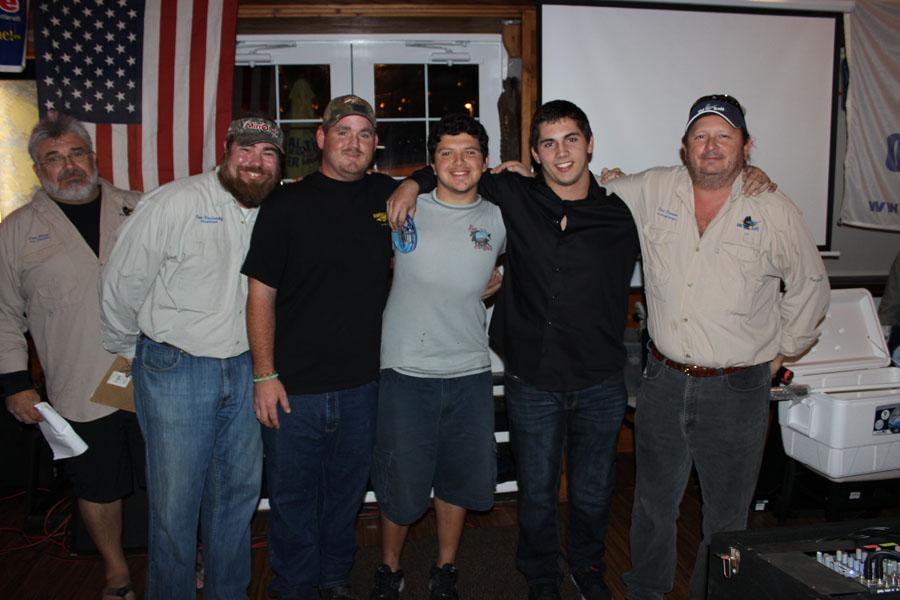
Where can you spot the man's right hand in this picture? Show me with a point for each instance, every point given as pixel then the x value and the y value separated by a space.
pixel 267 396
pixel 402 203
pixel 21 405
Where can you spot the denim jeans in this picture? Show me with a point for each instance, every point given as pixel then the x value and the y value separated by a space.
pixel 718 425
pixel 317 467
pixel 204 461
pixel 541 423
pixel 434 433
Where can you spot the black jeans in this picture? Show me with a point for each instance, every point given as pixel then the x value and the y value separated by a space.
pixel 541 423
pixel 718 425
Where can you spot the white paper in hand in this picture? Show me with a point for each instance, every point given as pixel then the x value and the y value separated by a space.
pixel 63 440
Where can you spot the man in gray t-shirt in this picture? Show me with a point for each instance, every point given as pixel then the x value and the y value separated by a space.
pixel 435 409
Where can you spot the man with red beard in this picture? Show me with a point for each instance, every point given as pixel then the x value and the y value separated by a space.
pixel 51 251
pixel 173 297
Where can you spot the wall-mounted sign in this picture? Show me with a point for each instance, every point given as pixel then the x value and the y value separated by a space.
pixel 13 22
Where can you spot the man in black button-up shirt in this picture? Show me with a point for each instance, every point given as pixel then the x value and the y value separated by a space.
pixel 559 324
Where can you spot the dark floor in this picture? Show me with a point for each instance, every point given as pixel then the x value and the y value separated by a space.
pixel 40 566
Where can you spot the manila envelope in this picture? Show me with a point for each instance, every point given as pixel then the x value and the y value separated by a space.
pixel 115 388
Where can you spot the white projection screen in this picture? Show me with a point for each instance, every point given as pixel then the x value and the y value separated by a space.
pixel 636 71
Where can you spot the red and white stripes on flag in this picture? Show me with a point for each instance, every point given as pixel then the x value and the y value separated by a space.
pixel 188 65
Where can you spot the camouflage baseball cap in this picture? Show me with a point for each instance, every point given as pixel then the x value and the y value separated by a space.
pixel 247 131
pixel 344 106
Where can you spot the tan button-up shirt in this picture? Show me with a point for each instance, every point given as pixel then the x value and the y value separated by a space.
pixel 175 272
pixel 715 300
pixel 48 286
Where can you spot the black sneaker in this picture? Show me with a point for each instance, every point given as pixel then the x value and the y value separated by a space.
pixel 544 590
pixel 338 592
pixel 443 583
pixel 590 584
pixel 388 584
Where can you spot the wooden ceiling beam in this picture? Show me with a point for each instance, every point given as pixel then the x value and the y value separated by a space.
pixel 260 10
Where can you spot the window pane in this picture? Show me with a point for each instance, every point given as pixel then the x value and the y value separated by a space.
pixel 305 90
pixel 254 91
pixel 301 154
pixel 399 91
pixel 403 148
pixel 452 89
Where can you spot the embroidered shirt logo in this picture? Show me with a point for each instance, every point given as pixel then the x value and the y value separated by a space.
pixel 480 237
pixel 41 237
pixel 665 213
pixel 209 220
pixel 380 218
pixel 749 224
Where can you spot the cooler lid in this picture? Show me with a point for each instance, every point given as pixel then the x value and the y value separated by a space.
pixel 851 337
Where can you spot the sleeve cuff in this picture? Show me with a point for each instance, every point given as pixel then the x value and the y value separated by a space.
pixel 15 382
pixel 425 178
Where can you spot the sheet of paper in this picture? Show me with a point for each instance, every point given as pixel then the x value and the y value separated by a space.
pixel 63 440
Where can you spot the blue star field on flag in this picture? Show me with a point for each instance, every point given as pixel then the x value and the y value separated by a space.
pixel 89 58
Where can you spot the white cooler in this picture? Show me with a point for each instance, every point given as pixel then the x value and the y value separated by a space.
pixel 848 427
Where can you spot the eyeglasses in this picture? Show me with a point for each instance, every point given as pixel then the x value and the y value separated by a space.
pixel 720 98
pixel 57 160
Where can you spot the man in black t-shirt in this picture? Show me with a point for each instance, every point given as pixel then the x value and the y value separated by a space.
pixel 318 269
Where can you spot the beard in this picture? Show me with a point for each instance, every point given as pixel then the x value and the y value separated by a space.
pixel 713 181
pixel 248 194
pixel 75 194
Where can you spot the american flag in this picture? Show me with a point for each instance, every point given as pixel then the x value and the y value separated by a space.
pixel 151 80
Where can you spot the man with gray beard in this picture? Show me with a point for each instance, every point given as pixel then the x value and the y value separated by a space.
pixel 51 252
pixel 173 297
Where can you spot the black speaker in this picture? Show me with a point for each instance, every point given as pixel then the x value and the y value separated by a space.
pixel 821 561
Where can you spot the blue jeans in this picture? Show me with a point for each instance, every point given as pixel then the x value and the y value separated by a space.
pixel 434 433
pixel 317 467
pixel 587 423
pixel 204 461
pixel 718 425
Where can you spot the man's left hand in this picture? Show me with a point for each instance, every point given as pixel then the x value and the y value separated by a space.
pixel 756 182
pixel 776 364
pixel 513 166
pixel 493 284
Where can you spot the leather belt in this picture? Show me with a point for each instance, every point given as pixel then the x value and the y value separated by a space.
pixel 692 370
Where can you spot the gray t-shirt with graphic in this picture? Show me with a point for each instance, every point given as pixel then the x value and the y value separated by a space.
pixel 434 322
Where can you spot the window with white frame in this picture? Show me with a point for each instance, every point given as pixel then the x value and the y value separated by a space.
pixel 411 82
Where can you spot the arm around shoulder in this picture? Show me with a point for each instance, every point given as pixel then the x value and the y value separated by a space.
pixel 127 277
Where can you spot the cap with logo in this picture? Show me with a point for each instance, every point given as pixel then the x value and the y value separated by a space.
pixel 722 105
pixel 247 131
pixel 344 106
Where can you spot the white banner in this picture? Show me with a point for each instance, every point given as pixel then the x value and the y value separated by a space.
pixel 872 165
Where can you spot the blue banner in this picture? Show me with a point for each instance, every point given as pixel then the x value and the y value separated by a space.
pixel 13 23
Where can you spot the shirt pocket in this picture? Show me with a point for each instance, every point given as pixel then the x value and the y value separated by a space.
pixel 199 282
pixel 658 260
pixel 741 276
pixel 49 279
